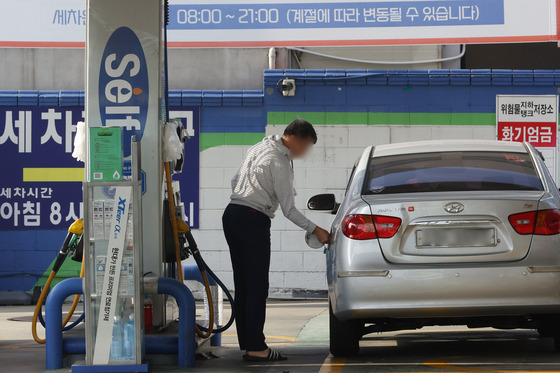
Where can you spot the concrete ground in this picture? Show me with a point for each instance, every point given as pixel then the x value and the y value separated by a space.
pixel 299 329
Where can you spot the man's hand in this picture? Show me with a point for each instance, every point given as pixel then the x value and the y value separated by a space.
pixel 322 235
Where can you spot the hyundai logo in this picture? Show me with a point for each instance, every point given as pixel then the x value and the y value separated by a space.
pixel 454 207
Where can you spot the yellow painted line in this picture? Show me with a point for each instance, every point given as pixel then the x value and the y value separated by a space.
pixel 53 174
pixel 442 364
pixel 267 336
pixel 281 337
pixel 333 365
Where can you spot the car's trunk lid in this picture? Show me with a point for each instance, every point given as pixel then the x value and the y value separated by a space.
pixel 453 227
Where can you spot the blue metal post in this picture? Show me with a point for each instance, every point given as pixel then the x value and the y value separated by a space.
pixel 185 301
pixel 53 319
pixel 216 339
pixel 186 343
pixel 192 272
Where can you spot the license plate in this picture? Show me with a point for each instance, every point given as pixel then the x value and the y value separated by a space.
pixel 455 237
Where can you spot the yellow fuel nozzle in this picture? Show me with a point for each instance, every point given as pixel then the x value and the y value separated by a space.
pixel 77 227
pixel 182 226
pixel 72 239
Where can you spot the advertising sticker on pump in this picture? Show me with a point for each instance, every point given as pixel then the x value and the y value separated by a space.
pixel 533 119
pixel 112 276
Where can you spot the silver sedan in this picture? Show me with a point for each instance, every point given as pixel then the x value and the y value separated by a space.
pixel 456 232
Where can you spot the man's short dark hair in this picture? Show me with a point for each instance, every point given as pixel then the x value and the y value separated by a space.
pixel 301 129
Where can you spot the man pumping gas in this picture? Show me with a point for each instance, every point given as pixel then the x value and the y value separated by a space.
pixel 263 182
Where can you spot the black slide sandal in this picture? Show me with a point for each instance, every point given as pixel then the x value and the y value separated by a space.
pixel 272 356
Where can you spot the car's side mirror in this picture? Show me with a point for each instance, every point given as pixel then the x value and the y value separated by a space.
pixel 323 202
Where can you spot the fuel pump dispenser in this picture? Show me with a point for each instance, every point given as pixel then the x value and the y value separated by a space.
pixel 128 184
pixel 122 192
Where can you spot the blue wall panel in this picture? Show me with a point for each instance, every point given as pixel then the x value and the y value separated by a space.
pixel 331 94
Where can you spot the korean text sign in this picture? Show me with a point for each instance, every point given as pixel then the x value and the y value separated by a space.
pixel 41 187
pixel 56 23
pixel 533 119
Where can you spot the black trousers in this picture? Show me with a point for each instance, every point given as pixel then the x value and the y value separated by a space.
pixel 247 233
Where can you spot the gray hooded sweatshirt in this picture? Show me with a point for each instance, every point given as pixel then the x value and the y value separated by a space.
pixel 265 180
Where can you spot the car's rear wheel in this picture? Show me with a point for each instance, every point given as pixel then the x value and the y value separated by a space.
pixel 344 335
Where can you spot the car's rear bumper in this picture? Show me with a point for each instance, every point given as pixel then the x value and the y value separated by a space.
pixel 449 292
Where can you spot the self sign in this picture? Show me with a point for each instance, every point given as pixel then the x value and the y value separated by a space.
pixel 124 86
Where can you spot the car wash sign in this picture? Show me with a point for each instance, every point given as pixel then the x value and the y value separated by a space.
pixel 266 23
pixel 41 184
pixel 41 187
pixel 533 119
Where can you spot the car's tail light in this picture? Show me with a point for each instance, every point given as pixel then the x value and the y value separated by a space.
pixel 523 223
pixel 366 227
pixel 544 222
pixel 359 227
pixel 548 222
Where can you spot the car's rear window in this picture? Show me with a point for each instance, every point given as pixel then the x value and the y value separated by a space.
pixel 451 171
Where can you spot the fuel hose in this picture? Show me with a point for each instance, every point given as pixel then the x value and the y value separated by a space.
pixel 184 229
pixel 202 331
pixel 192 247
pixel 221 329
pixel 72 239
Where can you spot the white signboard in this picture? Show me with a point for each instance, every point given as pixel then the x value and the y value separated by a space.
pixel 111 280
pixel 533 119
pixel 253 23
